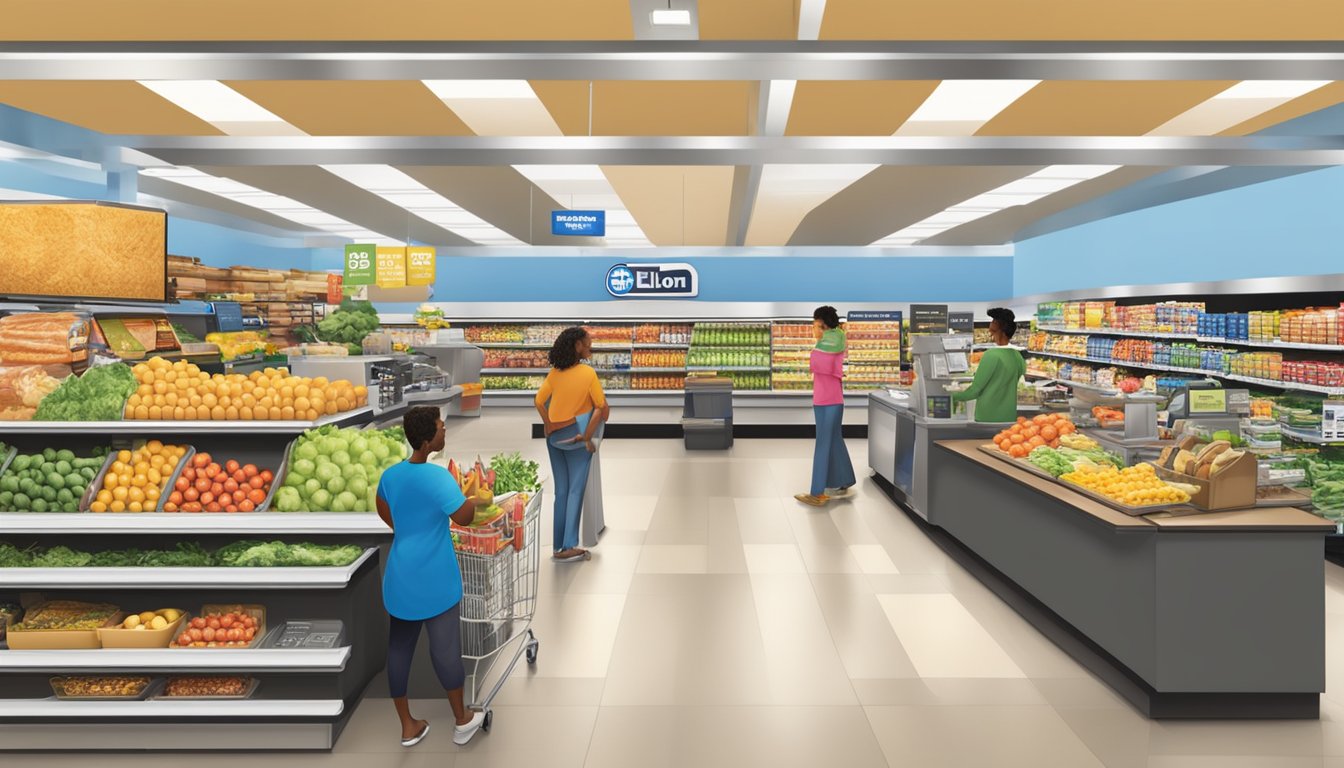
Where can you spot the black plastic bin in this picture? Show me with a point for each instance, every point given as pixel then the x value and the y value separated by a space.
pixel 707 419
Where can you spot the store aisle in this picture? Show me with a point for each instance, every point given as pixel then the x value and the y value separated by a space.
pixel 720 623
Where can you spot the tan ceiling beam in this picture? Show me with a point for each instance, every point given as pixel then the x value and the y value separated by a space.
pixel 739 150
pixel 675 60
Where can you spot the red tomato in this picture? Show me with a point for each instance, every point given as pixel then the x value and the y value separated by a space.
pixel 182 484
pixel 230 508
pixel 175 497
pixel 212 470
pixel 246 505
pixel 217 489
pixel 184 639
pixel 212 507
pixel 198 623
pixel 226 620
pixel 250 469
pixel 207 498
pixel 258 482
pixel 231 466
pixel 249 633
pixel 197 633
pixel 208 634
pixel 169 507
pixel 200 460
pixel 230 485
pixel 239 495
pixel 266 476
pixel 202 484
pixel 240 477
pixel 191 494
pixel 256 496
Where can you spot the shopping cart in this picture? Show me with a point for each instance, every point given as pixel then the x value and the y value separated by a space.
pixel 500 565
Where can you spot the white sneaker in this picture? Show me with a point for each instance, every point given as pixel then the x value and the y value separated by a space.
pixel 463 733
pixel 411 742
pixel 840 493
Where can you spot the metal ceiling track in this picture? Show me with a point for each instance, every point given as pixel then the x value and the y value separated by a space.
pixel 672 60
pixel 736 150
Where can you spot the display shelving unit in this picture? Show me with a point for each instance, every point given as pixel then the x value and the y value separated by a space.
pixel 306 696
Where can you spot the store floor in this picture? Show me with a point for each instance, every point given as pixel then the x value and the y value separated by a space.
pixel 722 624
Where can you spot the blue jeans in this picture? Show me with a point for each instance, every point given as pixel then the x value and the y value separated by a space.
pixel 831 467
pixel 570 470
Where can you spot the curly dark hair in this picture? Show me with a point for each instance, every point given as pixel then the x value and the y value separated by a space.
pixel 827 315
pixel 420 424
pixel 1007 320
pixel 564 354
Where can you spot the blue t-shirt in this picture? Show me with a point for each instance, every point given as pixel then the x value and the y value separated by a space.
pixel 422 579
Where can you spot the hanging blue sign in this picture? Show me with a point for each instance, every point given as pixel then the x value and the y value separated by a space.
pixel 634 281
pixel 579 223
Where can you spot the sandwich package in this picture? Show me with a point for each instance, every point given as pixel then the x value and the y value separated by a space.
pixel 59 339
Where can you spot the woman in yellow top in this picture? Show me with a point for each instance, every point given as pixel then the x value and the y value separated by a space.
pixel 572 407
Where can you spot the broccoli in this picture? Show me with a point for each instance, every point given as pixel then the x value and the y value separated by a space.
pixel 349 324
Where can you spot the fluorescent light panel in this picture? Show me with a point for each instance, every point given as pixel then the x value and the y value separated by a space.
pixel 480 89
pixel 1271 89
pixel 970 100
pixel 400 189
pixel 670 17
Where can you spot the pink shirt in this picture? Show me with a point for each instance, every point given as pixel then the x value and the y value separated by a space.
pixel 828 372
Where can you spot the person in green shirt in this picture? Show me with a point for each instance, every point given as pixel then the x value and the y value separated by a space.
pixel 994 388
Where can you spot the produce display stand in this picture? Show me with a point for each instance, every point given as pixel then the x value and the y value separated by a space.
pixel 306 696
pixel 1210 615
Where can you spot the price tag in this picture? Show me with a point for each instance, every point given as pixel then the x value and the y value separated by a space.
pixel 360 265
pixel 1332 420
pixel 421 268
pixel 1207 401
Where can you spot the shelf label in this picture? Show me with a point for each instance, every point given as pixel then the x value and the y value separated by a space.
pixel 361 267
pixel 961 322
pixel 421 265
pixel 391 272
pixel 579 223
pixel 1332 420
pixel 642 281
pixel 873 317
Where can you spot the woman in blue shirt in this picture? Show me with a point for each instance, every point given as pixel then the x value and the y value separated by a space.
pixel 422 586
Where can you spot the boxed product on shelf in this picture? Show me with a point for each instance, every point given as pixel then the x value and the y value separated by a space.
pixel 793 335
pixel 148 629
pixel 514 383
pixel 731 335
pixel 516 358
pixel 239 626
pixel 1226 478
pixel 102 687
pixel 611 361
pixel 209 687
pixel 1310 326
pixel 611 335
pixel 62 625
pixel 58 339
pixel 658 358
pixel 663 333
pixel 657 381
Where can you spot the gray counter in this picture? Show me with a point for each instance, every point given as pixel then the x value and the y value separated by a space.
pixel 1205 615
pixel 900 443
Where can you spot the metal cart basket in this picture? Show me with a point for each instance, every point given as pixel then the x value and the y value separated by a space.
pixel 500 565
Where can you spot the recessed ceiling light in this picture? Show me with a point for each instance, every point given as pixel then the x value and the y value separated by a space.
pixel 670 17
pixel 481 89
pixel 212 101
pixel 1271 89
pixel 970 100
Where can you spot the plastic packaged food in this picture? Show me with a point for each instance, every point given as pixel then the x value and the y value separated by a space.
pixel 209 687
pixel 101 687
pixel 44 338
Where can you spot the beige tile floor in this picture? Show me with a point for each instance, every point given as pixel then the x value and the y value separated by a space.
pixel 722 624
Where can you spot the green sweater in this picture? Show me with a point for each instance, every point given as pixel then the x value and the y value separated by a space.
pixel 994 389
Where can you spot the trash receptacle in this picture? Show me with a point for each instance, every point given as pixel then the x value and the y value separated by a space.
pixel 707 419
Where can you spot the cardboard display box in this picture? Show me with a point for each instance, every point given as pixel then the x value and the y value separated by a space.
pixel 1232 488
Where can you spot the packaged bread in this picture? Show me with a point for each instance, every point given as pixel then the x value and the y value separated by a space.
pixel 44 338
pixel 23 387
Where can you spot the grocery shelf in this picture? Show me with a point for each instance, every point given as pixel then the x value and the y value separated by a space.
pixel 1306 437
pixel 54 708
pixel 506 371
pixel 654 370
pixel 729 368
pixel 259 523
pixel 658 345
pixel 508 345
pixel 1195 337
pixel 1267 383
pixel 182 578
pixel 139 427
pixel 116 660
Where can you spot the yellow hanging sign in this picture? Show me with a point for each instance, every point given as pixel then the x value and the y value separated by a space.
pixel 420 265
pixel 391 266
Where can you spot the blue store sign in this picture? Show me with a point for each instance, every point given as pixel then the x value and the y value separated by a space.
pixel 633 281
pixel 579 223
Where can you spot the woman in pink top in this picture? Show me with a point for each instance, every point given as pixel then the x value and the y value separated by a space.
pixel 831 468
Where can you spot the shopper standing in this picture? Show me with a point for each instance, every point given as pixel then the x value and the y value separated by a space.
pixel 572 407
pixel 831 468
pixel 422 587
pixel 994 388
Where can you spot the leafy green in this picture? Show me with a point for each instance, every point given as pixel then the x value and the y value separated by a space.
pixel 185 555
pixel 61 557
pixel 13 557
pixel 99 395
pixel 1051 461
pixel 349 324
pixel 241 554
pixel 514 474
pixel 274 554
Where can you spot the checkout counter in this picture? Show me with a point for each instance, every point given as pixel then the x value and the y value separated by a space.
pixel 1185 613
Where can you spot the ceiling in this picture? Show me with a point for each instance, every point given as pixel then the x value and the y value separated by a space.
pixel 660 201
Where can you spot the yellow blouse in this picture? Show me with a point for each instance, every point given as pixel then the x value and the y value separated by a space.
pixel 572 392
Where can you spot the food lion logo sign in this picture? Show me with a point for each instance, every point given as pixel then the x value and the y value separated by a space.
pixel 629 281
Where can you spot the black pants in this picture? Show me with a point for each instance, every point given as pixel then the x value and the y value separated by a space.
pixel 445 650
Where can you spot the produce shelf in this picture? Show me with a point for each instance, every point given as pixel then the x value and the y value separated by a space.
pixel 1194 337
pixel 1306 437
pixel 1267 383
pixel 53 708
pixel 117 660
pixel 729 368
pixel 182 578
pixel 657 345
pixel 138 427
pixel 259 523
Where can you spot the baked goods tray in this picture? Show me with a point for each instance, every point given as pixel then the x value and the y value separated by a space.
pixel 1113 504
pixel 162 694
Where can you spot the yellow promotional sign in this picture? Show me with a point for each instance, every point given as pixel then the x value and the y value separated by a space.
pixel 391 266
pixel 1208 401
pixel 420 265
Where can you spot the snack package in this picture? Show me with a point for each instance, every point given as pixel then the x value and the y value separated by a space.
pixel 44 338
pixel 132 338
